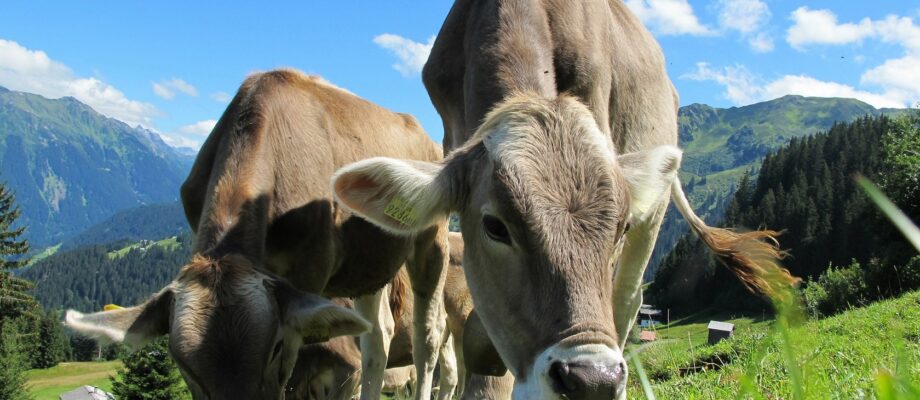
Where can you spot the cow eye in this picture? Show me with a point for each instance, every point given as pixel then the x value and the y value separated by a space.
pixel 496 229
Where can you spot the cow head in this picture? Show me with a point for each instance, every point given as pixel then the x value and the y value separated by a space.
pixel 544 202
pixel 234 331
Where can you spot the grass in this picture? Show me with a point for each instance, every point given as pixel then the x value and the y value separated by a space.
pixel 45 253
pixel 871 352
pixel 170 243
pixel 48 384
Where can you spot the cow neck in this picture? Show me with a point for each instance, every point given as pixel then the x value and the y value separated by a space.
pixel 522 49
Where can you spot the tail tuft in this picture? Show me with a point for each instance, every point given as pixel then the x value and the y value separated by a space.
pixel 754 257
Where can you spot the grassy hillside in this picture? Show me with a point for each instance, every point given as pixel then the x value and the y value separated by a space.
pixel 856 354
pixel 48 384
pixel 723 143
pixel 169 244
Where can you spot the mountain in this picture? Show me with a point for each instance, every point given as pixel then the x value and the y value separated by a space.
pixel 721 144
pixel 147 222
pixel 71 167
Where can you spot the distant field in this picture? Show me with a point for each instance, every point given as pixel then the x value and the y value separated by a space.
pixel 48 384
pixel 47 252
pixel 170 243
pixel 847 356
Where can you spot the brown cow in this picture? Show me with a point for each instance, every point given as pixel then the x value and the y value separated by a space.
pixel 259 201
pixel 329 370
pixel 561 123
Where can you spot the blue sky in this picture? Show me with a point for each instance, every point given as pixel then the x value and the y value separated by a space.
pixel 172 66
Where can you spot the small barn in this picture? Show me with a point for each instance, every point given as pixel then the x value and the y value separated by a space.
pixel 719 330
pixel 86 393
pixel 648 336
pixel 648 313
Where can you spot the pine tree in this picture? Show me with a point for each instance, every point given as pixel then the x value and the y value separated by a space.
pixel 53 346
pixel 901 150
pixel 84 349
pixel 149 374
pixel 12 364
pixel 14 298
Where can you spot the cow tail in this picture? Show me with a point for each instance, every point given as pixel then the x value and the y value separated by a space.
pixel 399 293
pixel 754 257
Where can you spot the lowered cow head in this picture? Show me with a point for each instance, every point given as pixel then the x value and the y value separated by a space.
pixel 234 331
pixel 544 202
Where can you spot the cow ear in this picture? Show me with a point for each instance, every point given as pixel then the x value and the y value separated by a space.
pixel 317 319
pixel 400 196
pixel 649 175
pixel 134 326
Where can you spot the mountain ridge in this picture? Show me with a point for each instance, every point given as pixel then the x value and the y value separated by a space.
pixel 71 167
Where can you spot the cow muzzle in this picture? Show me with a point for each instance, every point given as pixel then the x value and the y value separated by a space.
pixel 584 372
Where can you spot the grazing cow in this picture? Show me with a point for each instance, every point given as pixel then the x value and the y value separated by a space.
pixel 470 343
pixel 329 370
pixel 332 369
pixel 259 202
pixel 561 127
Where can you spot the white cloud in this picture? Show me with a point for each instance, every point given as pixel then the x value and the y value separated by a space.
pixel 179 141
pixel 808 86
pixel 163 91
pixel 821 27
pixel 745 16
pixel 743 88
pixel 33 71
pixel 897 77
pixel 739 83
pixel 749 18
pixel 412 55
pixel 668 17
pixel 761 43
pixel 167 88
pixel 200 128
pixel 221 97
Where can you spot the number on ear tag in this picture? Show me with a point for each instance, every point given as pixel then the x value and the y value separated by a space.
pixel 400 210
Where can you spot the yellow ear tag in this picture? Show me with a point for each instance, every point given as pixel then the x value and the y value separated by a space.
pixel 110 307
pixel 400 210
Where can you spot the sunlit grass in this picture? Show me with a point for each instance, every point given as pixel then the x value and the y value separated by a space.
pixel 851 355
pixel 49 384
pixel 871 352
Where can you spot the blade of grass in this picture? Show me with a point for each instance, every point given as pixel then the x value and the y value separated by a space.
pixel 897 217
pixel 643 377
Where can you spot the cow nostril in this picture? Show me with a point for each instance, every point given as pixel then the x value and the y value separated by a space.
pixel 563 380
pixel 587 381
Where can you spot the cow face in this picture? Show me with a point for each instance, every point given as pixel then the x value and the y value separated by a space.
pixel 544 203
pixel 233 331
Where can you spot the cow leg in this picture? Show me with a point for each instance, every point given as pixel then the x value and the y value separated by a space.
pixel 375 344
pixel 627 282
pixel 448 363
pixel 427 267
pixel 462 376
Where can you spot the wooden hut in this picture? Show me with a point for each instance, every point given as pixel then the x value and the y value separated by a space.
pixel 648 336
pixel 719 330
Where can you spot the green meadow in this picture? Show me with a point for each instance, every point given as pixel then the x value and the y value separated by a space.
pixel 870 352
pixel 48 384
